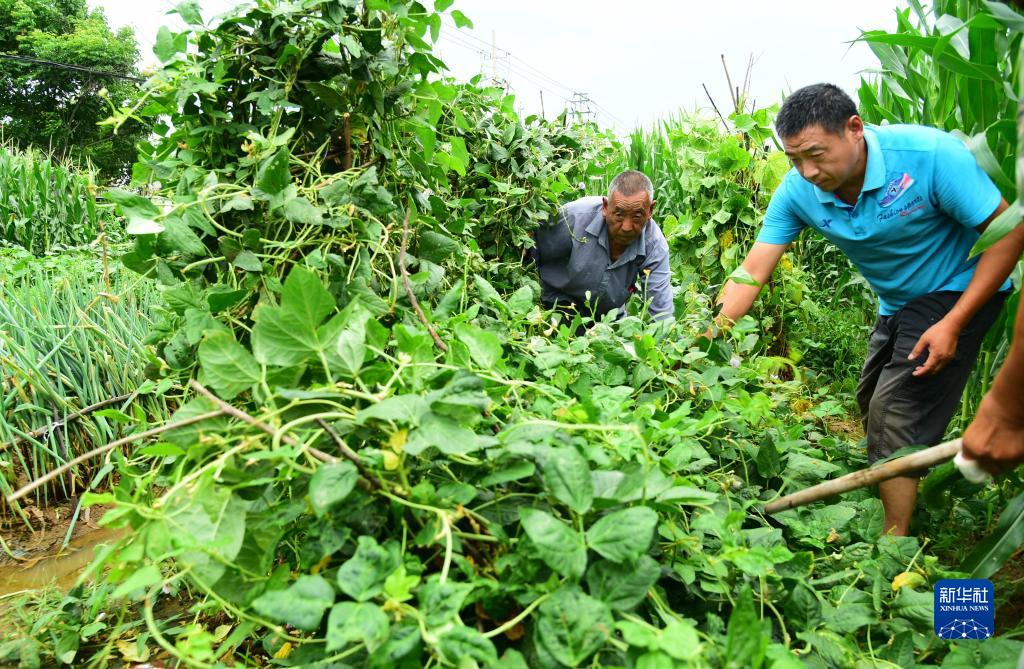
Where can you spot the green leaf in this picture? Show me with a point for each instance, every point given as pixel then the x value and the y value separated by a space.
pixel 331 484
pixel 459 155
pixel 993 551
pixel 442 5
pixel 441 602
pixel 168 44
pixel 679 639
pixel 1002 225
pixel 1005 15
pixel 140 212
pixel 356 622
pixel 461 643
pixel 209 524
pixel 742 276
pixel 557 544
pixel 302 211
pixel 301 605
pixel 746 639
pixel 461 20
pixel 436 247
pixel 140 580
pixel 305 299
pixel 189 12
pixel 443 433
pixel 622 586
pixel 248 261
pixel 484 347
pixel 226 366
pixel 568 478
pixel 623 536
pixel 572 626
pixel 399 585
pixel 289 334
pixel 273 176
pixel 514 471
pixel 362 576
pixel 352 346
pixel 180 238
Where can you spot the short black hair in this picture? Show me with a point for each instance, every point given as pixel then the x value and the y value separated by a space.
pixel 818 104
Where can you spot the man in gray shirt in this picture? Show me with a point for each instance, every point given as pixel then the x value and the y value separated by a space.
pixel 601 245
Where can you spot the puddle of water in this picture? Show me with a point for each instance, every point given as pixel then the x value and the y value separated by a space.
pixel 61 569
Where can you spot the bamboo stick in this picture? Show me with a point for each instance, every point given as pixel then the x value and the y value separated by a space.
pixel 928 457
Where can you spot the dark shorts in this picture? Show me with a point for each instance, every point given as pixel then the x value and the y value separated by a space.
pixel 899 409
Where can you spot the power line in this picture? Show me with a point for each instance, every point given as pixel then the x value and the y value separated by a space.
pixel 582 103
pixel 75 68
pixel 509 54
pixel 511 68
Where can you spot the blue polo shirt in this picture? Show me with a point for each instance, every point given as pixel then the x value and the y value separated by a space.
pixel 913 225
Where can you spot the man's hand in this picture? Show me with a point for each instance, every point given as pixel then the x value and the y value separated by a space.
pixel 996 437
pixel 940 341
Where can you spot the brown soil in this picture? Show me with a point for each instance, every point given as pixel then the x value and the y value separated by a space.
pixel 36 555
pixel 845 426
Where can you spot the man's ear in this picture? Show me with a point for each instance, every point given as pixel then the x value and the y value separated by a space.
pixel 855 126
pixel 604 205
pixel 653 202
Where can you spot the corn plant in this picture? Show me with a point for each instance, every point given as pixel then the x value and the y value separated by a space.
pixel 67 341
pixel 955 67
pixel 958 67
pixel 46 207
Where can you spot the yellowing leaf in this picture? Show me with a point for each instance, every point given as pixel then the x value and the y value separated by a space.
pixel 391 461
pixel 221 632
pixel 130 651
pixel 397 440
pixel 907 579
pixel 284 652
pixel 321 565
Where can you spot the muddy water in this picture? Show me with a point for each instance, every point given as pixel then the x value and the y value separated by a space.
pixel 61 569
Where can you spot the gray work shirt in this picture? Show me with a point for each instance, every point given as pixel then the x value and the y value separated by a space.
pixel 573 259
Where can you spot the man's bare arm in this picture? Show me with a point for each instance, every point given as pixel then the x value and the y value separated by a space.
pixel 737 298
pixel 996 436
pixel 995 265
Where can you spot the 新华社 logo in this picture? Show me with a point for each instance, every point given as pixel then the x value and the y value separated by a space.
pixel 964 608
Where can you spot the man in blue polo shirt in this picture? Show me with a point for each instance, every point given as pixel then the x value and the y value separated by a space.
pixel 905 204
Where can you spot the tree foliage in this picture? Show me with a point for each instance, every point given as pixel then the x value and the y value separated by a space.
pixel 56 109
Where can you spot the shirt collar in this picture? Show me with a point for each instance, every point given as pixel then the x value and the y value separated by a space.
pixel 874 170
pixel 599 229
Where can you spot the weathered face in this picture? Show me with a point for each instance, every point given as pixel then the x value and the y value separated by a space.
pixel 626 216
pixel 828 160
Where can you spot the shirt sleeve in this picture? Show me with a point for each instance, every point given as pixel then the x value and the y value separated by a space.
pixel 657 276
pixel 554 241
pixel 781 222
pixel 962 188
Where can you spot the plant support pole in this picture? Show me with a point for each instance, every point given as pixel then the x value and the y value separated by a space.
pixel 928 457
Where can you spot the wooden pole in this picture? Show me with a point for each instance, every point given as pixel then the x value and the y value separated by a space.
pixel 928 457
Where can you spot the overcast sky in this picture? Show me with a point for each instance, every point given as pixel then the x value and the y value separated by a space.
pixel 637 61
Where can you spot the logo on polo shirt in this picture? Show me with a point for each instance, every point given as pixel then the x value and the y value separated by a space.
pixel 895 189
pixel 826 222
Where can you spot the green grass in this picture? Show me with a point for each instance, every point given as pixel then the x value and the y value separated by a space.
pixel 67 341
